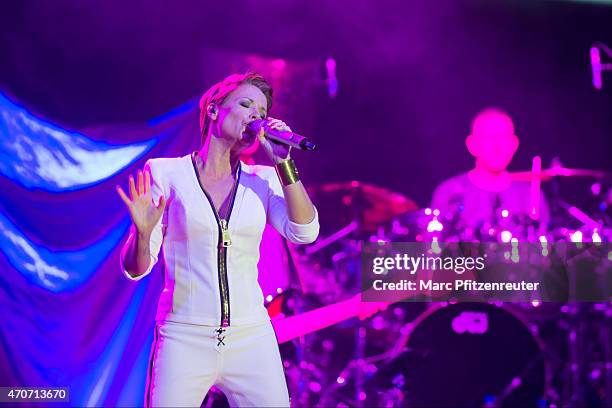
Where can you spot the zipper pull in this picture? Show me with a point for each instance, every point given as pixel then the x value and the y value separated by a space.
pixel 226 241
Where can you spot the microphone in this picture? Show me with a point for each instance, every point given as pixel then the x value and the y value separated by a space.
pixel 596 67
pixel 280 136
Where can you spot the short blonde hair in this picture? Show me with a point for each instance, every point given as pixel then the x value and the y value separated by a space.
pixel 217 93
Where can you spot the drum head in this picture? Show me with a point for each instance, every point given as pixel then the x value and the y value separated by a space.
pixel 467 355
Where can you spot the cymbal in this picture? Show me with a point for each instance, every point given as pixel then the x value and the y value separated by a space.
pixel 371 206
pixel 550 173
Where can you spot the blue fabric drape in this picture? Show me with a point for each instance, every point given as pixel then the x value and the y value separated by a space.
pixel 69 316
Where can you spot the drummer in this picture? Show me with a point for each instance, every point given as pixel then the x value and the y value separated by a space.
pixel 487 193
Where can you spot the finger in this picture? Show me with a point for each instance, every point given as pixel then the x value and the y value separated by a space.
pixel 283 128
pixel 162 203
pixel 276 123
pixel 140 183
pixel 123 196
pixel 133 192
pixel 147 183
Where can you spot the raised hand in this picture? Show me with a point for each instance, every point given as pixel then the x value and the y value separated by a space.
pixel 145 214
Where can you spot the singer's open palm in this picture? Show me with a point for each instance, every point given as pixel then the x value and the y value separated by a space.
pixel 145 214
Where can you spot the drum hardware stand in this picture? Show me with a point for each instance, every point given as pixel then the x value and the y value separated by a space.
pixel 555 188
pixel 327 396
pixel 607 353
pixel 585 363
pixel 577 396
pixel 367 365
pixel 557 204
pixel 579 215
pixel 576 335
pixel 515 383
pixel 302 360
pixel 322 243
pixel 360 363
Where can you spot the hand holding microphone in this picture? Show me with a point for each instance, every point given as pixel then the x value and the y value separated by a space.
pixel 277 139
pixel 279 132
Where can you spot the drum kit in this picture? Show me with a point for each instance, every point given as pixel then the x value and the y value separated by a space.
pixel 433 354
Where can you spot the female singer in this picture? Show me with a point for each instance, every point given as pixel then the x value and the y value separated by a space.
pixel 211 324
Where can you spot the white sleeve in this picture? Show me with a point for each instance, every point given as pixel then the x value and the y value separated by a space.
pixel 277 215
pixel 155 242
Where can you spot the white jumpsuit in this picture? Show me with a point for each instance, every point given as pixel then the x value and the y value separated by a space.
pixel 211 326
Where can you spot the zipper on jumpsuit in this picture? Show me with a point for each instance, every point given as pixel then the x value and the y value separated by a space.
pixel 224 242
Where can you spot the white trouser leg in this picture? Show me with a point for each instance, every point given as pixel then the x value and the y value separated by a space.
pixel 252 372
pixel 183 366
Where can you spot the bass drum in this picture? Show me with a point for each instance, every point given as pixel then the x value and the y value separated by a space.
pixel 463 355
